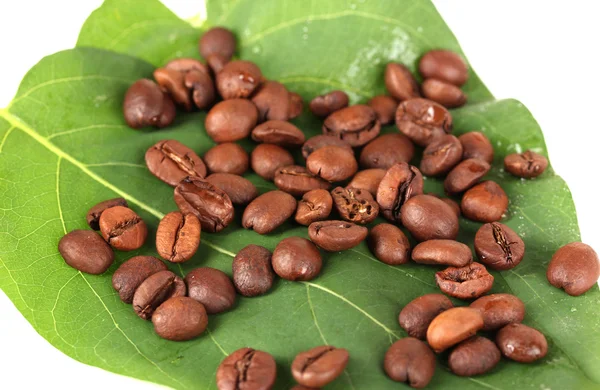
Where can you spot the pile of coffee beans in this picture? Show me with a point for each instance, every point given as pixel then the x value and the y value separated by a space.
pixel 350 176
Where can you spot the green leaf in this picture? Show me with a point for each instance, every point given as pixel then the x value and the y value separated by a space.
pixel 64 146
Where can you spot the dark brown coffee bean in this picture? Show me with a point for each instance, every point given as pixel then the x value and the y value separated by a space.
pixel 172 161
pixel 336 236
pixel 178 237
pixel 410 361
pixel 85 251
pixel 252 271
pixel 202 87
pixel 468 282
pixel 423 120
pixel 477 145
pixel 485 202
pixel 416 316
pixel 171 81
pixel 442 252
pixel 248 369
pixel 231 120
pixel 325 105
pixel 446 94
pixel 332 163
pixel 521 343
pixel 314 206
pixel 387 150
pixel 384 107
pixel 146 104
pixel 279 133
pixel 240 190
pixel 266 159
pixel 212 288
pixel 208 203
pixel 216 63
pixel 428 218
pixel 156 289
pixel 187 79
pixel 357 125
pixel 320 141
pixel 269 211
pixel 499 310
pixel 453 326
pixel 93 215
pixel 128 277
pixel 218 42
pixel 574 268
pixel 227 158
pixel 474 356
pixel 296 105
pixel 238 79
pixel 400 183
pixel 297 180
pixel 465 175
pixel 122 228
pixel 389 244
pixel 444 65
pixel 355 205
pixel 319 366
pixel 180 319
pixel 498 246
pixel 272 101
pixel 296 258
pixel 400 82
pixel 528 164
pixel 453 204
pixel 441 155
pixel 368 180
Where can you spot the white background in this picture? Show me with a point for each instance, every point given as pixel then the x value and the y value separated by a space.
pixel 540 52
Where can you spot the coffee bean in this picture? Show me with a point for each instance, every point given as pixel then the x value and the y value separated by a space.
pixel 485 202
pixel 474 356
pixel 231 120
pixel 240 190
pixel 156 289
pixel 296 258
pixel 203 88
pixel 356 125
pixel 465 175
pixel 446 94
pixel 423 120
pixel 314 206
pixel 416 316
pixel 355 205
pixel 146 104
pixel 238 79
pixel 279 133
pixel 319 366
pixel 272 101
pixel 428 218
pixel 368 179
pixel 410 361
pixel 296 105
pixel 453 204
pixel 212 288
pixel 269 211
pixel 477 145
pixel 128 277
pixel 332 163
pixel 178 237
pixel 325 105
pixel 227 158
pixel 217 45
pixel 320 141
pixel 182 85
pixel 297 180
pixel 498 246
pixel 86 251
pixel 247 369
pixel 499 310
pixel 384 107
pixel 521 343
pixel 453 326
pixel 93 215
pixel 252 271
pixel 266 159
pixel 400 183
pixel 180 319
pixel 441 155
pixel 444 65
pixel 574 268
pixel 387 150
pixel 171 161
pixel 336 236
pixel 442 252
pixel 468 282
pixel 389 244
pixel 400 82
pixel 122 228
pixel 527 165
pixel 208 203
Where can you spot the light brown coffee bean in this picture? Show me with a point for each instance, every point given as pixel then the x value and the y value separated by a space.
pixel 266 159
pixel 297 180
pixel 319 366
pixel 240 190
pixel 385 108
pixel 574 268
pixel 527 165
pixel 442 252
pixel 444 65
pixel 332 163
pixel 269 211
pixel 122 228
pixel 172 161
pixel 400 82
pixel 387 150
pixel 465 175
pixel 441 155
pixel 231 120
pixel 356 125
pixel 314 206
pixel 446 94
pixel 178 237
pixel 272 101
pixel 227 158
pixel 484 202
pixel 477 145
pixel 453 326
pixel 279 133
pixel 336 236
pixel 499 310
pixel 368 179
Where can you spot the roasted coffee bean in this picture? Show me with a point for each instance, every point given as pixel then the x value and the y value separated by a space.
pixel 453 326
pixel 355 205
pixel 296 105
pixel 444 65
pixel 247 369
pixel 266 159
pixel 389 244
pixel 182 85
pixel 410 361
pixel 272 102
pixel 468 282
pixel 474 356
pixel 400 183
pixel 269 211
pixel 128 277
pixel 332 163
pixel 320 141
pixel 252 271
pixel 368 180
pixel 384 107
pixel 202 87
pixel 86 251
pixel 336 236
pixel 499 310
pixel 477 145
pixel 441 155
pixel 521 343
pixel 296 258
pixel 428 218
pixel 208 203
pixel 146 104
pixel 172 161
pixel 231 120
pixel 280 133
pixel 156 289
pixel 217 46
pixel 325 105
pixel 423 120
pixel 453 204
pixel 446 94
pixel 485 202
pixel 498 246
pixel 527 165
pixel 227 158
pixel 180 319
pixel 319 366
pixel 442 252
pixel 238 79
pixel 240 190
pixel 387 150
pixel 416 316
pixel 297 180
pixel 357 125
pixel 122 228
pixel 574 268
pixel 314 206
pixel 212 288
pixel 178 237
pixel 465 175
pixel 400 82
pixel 93 215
